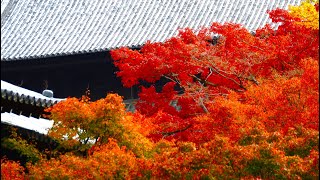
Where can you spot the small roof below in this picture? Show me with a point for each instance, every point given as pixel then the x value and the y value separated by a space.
pixel 22 95
pixel 33 29
pixel 39 125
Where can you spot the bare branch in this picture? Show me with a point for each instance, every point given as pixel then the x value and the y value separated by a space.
pixel 203 81
pixel 209 74
pixel 165 134
pixel 169 78
pixel 253 79
pixel 203 106
pixel 240 85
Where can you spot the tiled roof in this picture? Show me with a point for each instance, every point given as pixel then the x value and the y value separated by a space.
pixel 4 4
pixel 22 95
pixel 36 29
pixel 39 125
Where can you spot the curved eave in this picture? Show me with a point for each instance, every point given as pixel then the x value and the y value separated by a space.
pixel 38 125
pixel 22 95
pixel 26 99
pixel 67 53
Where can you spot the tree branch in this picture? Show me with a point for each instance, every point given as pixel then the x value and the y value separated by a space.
pixel 209 74
pixel 203 81
pixel 165 134
pixel 240 85
pixel 203 106
pixel 173 80
pixel 249 44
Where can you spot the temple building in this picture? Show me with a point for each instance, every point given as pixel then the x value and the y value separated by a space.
pixel 62 47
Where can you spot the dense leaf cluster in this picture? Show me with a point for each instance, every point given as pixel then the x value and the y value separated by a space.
pixel 247 108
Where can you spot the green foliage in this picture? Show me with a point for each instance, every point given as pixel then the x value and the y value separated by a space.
pixel 301 142
pixel 22 148
pixel 262 168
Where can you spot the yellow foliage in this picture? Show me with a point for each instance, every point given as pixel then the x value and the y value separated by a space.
pixel 307 13
pixel 136 141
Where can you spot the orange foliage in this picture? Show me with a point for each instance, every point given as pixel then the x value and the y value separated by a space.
pixel 11 170
pixel 248 109
pixel 109 161
pixel 81 120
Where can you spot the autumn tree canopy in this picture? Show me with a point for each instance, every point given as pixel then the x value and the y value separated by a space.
pixel 246 107
pixel 203 71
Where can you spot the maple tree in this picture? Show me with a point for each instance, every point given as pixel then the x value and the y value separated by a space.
pixel 202 71
pixel 79 123
pixel 243 108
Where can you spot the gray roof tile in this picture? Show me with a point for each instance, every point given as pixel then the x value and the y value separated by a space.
pixel 35 29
